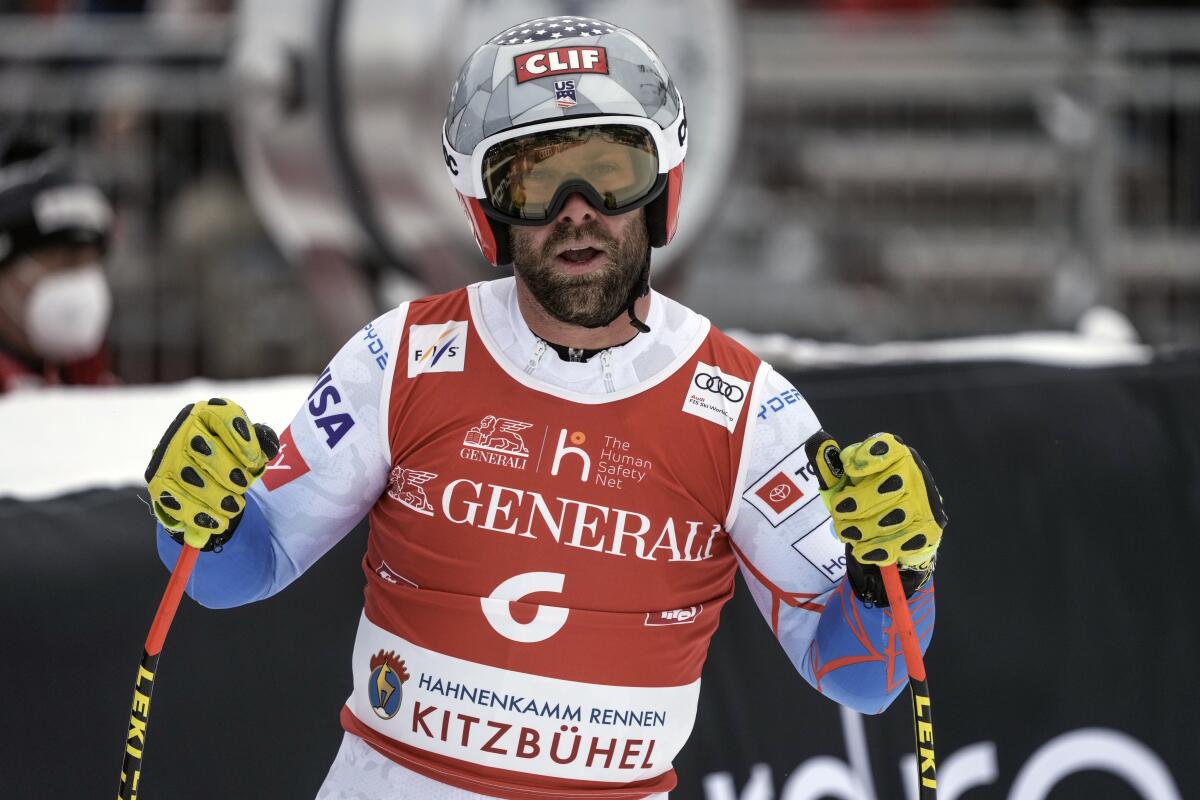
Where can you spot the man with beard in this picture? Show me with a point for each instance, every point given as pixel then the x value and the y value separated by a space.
pixel 563 470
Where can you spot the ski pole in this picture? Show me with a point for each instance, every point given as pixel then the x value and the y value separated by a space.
pixel 907 632
pixel 143 686
pixel 917 684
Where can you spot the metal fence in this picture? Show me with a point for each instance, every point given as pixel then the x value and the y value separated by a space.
pixel 896 178
pixel 967 174
pixel 142 102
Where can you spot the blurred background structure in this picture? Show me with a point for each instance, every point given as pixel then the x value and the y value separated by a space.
pixel 863 171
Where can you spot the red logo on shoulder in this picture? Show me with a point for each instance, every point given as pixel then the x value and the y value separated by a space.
pixel 779 492
pixel 559 60
pixel 287 466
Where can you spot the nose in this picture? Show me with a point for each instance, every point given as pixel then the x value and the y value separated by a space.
pixel 576 210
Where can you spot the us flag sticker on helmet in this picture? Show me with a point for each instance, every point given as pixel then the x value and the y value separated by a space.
pixel 559 60
pixel 564 94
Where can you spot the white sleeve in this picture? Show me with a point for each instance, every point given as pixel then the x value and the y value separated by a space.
pixel 782 532
pixel 340 458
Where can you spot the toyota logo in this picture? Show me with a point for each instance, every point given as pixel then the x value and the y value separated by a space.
pixel 716 385
pixel 780 492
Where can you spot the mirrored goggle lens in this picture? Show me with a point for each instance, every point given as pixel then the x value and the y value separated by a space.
pixel 523 176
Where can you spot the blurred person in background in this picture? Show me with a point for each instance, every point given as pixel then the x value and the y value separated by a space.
pixel 55 301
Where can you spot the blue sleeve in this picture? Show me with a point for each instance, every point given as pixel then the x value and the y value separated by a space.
pixel 856 658
pixel 795 567
pixel 242 572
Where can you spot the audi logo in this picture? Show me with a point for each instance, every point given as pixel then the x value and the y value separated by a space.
pixel 716 385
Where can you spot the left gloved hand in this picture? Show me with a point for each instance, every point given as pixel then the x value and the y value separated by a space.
pixel 201 469
pixel 883 500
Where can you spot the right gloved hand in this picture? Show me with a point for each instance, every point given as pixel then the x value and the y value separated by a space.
pixel 202 467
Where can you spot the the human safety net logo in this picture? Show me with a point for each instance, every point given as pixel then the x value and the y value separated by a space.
pixel 437 348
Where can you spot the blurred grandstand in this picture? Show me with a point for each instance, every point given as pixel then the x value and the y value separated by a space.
pixel 920 174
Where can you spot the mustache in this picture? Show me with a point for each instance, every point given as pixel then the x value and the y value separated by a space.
pixel 566 232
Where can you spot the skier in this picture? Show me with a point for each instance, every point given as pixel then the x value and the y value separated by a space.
pixel 54 299
pixel 562 470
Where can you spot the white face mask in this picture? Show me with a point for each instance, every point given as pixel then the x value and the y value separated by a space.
pixel 67 313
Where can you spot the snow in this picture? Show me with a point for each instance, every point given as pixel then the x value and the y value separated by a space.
pixel 59 440
pixel 1045 348
pixel 66 439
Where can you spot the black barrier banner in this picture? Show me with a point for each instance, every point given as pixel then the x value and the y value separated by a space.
pixel 1063 664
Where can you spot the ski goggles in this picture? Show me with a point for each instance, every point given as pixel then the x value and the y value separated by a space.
pixel 528 178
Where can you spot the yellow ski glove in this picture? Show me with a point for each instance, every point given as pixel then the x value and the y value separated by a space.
pixel 883 500
pixel 202 467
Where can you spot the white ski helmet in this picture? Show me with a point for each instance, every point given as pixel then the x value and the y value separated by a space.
pixel 538 107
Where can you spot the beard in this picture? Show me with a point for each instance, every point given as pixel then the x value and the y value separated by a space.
pixel 592 300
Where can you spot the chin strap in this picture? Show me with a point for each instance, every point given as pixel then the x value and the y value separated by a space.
pixel 640 288
pixel 640 326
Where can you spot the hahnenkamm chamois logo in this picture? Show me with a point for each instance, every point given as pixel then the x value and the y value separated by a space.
pixel 385 688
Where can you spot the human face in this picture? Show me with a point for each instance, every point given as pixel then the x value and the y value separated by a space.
pixel 581 267
pixel 60 322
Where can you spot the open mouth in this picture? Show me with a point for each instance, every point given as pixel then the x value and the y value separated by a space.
pixel 580 257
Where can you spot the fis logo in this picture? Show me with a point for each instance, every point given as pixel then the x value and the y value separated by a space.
pixel 680 616
pixel 437 348
pixel 385 687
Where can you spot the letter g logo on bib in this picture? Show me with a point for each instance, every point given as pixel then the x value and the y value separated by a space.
pixel 548 620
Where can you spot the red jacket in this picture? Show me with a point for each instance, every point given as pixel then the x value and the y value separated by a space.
pixel 16 372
